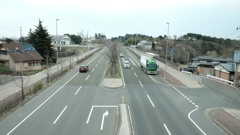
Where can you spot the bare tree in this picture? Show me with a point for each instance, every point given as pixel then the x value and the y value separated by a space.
pixel 23 80
pixel 48 69
pixel 112 55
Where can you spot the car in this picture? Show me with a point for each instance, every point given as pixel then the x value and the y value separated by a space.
pixel 121 55
pixel 126 64
pixel 83 68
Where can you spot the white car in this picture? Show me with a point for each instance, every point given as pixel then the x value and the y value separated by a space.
pixel 121 55
pixel 126 64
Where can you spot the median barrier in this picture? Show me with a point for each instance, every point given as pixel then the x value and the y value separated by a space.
pixel 125 123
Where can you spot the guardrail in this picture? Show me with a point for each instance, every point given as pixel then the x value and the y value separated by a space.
pixel 220 79
pixel 187 72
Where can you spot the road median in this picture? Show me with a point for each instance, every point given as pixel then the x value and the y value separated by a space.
pixel 124 126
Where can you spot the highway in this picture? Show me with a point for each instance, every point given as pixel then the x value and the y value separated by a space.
pixel 77 104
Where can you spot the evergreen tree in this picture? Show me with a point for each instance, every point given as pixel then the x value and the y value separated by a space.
pixel 41 41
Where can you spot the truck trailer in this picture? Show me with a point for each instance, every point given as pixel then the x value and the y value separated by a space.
pixel 148 63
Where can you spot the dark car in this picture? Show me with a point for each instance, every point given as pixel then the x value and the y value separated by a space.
pixel 83 68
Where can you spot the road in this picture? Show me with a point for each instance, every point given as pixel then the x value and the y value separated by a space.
pixel 78 105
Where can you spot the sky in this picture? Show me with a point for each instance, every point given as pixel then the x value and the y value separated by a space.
pixel 215 18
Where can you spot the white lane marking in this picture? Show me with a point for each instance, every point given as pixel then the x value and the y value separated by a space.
pixel 60 115
pixel 93 59
pixel 40 105
pixel 93 70
pixel 96 65
pixel 132 61
pixel 140 83
pixel 130 119
pixel 150 100
pixel 186 97
pixel 90 113
pixel 169 133
pixel 189 117
pixel 87 77
pixel 132 68
pixel 135 74
pixel 78 90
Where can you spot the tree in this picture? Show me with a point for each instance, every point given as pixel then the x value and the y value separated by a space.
pixel 41 41
pixel 8 40
pixel 23 80
pixel 75 38
pixel 112 55
pixel 153 46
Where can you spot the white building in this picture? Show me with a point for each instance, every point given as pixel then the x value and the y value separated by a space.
pixel 61 40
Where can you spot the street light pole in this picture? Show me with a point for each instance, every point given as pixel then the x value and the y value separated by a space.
pixel 166 51
pixel 57 41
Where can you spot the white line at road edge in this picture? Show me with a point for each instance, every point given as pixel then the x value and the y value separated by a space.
pixel 189 116
pixel 167 129
pixel 40 105
pixel 60 115
pixel 135 74
pixel 150 101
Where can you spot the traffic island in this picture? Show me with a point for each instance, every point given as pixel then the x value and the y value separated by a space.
pixel 112 83
pixel 227 119
pixel 124 125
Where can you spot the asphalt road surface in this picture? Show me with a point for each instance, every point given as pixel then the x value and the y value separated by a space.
pixel 77 104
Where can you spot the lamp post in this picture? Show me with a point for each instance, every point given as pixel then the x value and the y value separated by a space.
pixel 57 41
pixel 166 51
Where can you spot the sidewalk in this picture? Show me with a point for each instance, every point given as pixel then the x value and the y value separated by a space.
pixel 172 74
pixel 11 87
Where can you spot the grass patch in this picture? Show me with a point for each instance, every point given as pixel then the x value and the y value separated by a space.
pixel 117 75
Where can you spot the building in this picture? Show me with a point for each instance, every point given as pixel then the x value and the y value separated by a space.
pixel 146 44
pixel 20 57
pixel 236 60
pixel 204 65
pixel 61 40
pixel 228 69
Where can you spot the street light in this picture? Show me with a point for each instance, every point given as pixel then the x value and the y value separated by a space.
pixel 166 51
pixel 57 41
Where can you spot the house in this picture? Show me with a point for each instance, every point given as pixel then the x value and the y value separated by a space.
pixel 147 45
pixel 204 65
pixel 20 57
pixel 236 59
pixel 228 69
pixel 225 71
pixel 61 40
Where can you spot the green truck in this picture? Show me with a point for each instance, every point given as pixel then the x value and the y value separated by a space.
pixel 148 63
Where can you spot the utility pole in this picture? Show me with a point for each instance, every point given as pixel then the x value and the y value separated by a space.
pixel 21 35
pixel 57 41
pixel 172 54
pixel 166 52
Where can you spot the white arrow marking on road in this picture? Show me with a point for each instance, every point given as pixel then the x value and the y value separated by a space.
pixel 103 117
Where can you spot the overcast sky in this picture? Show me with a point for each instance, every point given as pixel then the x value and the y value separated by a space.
pixel 216 18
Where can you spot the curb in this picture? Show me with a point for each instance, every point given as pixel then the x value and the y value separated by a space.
pixel 124 126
